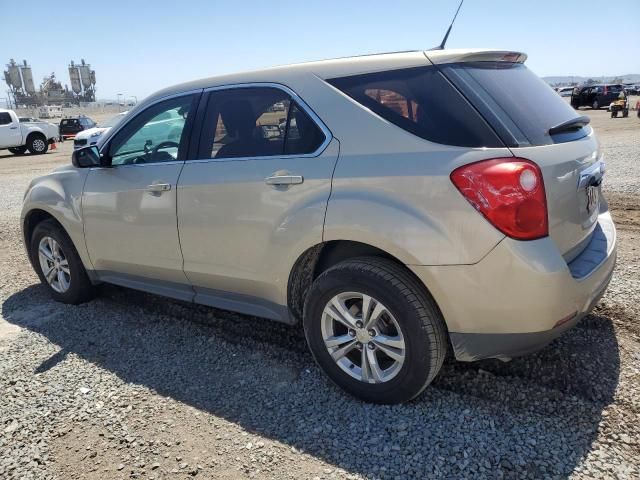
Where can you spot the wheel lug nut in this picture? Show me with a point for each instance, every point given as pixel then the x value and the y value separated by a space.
pixel 352 333
pixel 372 332
pixel 358 345
pixel 372 346
pixel 359 324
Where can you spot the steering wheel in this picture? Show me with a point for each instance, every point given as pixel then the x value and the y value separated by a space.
pixel 161 145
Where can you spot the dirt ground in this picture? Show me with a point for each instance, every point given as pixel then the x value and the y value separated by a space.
pixel 132 385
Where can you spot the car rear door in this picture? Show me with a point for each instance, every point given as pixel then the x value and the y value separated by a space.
pixel 129 207
pixel 254 198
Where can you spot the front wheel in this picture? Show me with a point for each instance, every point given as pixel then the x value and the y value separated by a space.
pixel 58 265
pixel 375 330
pixel 18 150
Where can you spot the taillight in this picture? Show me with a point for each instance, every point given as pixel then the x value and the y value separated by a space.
pixel 509 192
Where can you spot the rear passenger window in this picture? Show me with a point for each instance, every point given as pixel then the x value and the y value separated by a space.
pixel 5 118
pixel 421 101
pixel 257 122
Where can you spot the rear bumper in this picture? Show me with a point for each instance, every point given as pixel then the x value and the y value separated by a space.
pixel 522 295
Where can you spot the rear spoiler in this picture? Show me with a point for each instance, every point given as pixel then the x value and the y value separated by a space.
pixel 460 56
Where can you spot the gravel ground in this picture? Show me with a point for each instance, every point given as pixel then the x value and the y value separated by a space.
pixel 132 385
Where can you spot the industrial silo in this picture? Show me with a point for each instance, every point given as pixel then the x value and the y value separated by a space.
pixel 27 79
pixel 13 75
pixel 85 74
pixel 74 76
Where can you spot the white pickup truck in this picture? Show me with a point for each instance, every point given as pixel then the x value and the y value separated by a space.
pixel 19 137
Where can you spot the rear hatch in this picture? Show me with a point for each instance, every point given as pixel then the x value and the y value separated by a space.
pixel 538 125
pixel 70 126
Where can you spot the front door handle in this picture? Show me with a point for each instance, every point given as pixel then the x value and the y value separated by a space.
pixel 284 180
pixel 157 188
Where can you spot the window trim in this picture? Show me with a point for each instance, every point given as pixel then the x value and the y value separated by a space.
pixel 197 93
pixel 328 136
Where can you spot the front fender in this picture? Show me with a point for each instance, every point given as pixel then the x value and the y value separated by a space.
pixel 59 194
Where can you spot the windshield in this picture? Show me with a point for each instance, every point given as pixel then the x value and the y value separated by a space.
pixel 518 104
pixel 112 121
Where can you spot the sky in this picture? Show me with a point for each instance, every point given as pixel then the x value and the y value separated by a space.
pixel 139 47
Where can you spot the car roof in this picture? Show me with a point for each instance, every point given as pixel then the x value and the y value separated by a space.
pixel 345 66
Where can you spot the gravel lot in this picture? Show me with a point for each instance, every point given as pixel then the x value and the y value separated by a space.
pixel 132 385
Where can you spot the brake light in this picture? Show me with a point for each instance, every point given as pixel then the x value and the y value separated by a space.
pixel 509 192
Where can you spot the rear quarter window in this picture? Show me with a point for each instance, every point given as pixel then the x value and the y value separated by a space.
pixel 423 102
pixel 5 118
pixel 520 106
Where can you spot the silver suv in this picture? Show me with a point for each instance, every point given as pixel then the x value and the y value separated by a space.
pixel 398 205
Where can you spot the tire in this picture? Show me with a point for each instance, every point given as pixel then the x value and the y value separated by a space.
pixel 625 113
pixel 37 144
pixel 79 288
pixel 595 105
pixel 18 150
pixel 614 113
pixel 411 314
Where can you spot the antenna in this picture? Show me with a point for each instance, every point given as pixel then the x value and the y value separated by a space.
pixel 446 35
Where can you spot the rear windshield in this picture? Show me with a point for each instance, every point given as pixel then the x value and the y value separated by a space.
pixel 71 121
pixel 519 105
pixel 421 101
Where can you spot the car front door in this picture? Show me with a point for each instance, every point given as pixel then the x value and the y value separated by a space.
pixel 10 132
pixel 129 206
pixel 255 197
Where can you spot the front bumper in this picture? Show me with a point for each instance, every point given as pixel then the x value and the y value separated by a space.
pixel 522 295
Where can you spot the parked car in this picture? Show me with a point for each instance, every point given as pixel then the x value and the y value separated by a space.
pixel 565 91
pixel 595 96
pixel 423 205
pixel 632 89
pixel 70 127
pixel 91 135
pixel 28 120
pixel 18 137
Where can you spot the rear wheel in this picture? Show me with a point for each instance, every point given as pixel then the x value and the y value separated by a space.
pixel 37 144
pixel 625 113
pixel 18 150
pixel 58 265
pixel 614 113
pixel 374 330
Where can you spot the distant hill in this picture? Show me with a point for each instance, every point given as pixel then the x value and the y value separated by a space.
pixel 569 79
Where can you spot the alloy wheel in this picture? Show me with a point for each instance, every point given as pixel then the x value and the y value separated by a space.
pixel 39 145
pixel 54 264
pixel 363 337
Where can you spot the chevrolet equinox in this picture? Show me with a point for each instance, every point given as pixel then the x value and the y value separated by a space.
pixel 398 205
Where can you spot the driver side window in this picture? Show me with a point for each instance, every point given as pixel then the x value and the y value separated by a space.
pixel 154 136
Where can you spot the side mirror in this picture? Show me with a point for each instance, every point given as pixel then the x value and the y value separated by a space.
pixel 86 157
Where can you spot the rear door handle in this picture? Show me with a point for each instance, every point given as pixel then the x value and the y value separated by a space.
pixel 284 180
pixel 158 188
pixel 13 128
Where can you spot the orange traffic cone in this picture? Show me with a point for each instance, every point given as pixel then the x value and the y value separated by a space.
pixel 53 146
